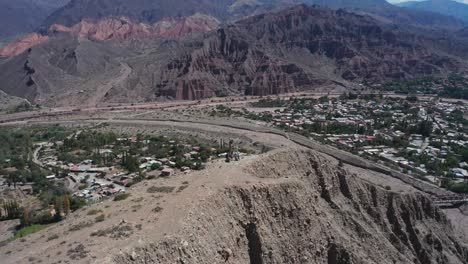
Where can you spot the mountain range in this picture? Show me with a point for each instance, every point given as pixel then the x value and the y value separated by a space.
pixel 23 16
pixel 114 51
pixel 445 7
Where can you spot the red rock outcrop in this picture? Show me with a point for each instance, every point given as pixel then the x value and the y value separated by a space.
pixel 297 49
pixel 104 29
pixel 179 27
pixel 20 45
pixel 118 28
pixel 125 28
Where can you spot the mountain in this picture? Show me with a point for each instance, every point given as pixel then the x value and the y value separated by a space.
pixel 124 16
pixel 463 33
pixel 23 16
pixel 300 48
pixel 152 11
pixel 385 12
pixel 445 7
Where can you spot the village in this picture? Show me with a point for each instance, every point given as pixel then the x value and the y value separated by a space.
pixel 110 168
pixel 423 137
pixel 47 173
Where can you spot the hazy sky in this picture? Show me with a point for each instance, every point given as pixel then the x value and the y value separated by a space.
pixel 397 1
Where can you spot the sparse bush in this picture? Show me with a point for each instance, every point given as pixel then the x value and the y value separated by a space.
pixel 137 200
pixel 80 226
pixel 94 212
pixel 157 209
pixel 162 189
pixel 182 187
pixel 52 237
pixel 100 218
pixel 78 252
pixel 136 207
pixel 121 196
pixel 115 232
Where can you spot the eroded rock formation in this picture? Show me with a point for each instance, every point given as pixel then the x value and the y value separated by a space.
pixel 313 212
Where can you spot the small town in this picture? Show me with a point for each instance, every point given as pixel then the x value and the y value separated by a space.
pixel 426 138
pixel 59 170
pixel 120 162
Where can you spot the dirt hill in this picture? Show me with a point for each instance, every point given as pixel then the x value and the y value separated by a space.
pixel 265 209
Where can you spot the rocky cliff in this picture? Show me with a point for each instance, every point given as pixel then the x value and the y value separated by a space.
pixel 298 49
pixel 313 212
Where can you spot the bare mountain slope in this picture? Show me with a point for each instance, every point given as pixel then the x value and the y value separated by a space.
pixel 264 209
pixel 19 17
pixel 296 49
pixel 445 7
pixel 152 11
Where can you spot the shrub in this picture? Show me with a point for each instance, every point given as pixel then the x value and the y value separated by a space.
pixel 162 189
pixel 388 188
pixel 80 226
pixel 100 218
pixel 182 187
pixel 52 237
pixel 115 232
pixel 121 196
pixel 157 209
pixel 94 212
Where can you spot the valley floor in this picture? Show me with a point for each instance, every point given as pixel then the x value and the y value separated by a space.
pixel 165 226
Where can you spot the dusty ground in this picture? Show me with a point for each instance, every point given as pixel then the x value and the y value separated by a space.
pixel 7 229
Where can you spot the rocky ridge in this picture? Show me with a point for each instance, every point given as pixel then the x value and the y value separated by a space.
pixel 22 44
pixel 301 48
pixel 117 28
pixel 315 212
pixel 294 50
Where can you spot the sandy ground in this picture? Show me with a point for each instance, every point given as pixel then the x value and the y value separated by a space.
pixel 7 229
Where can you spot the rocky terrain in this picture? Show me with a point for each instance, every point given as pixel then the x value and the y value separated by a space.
pixel 296 49
pixel 292 204
pixel 153 11
pixel 264 209
pixel 8 102
pixel 124 28
pixel 20 17
pixel 21 44
pixel 445 7
pixel 163 50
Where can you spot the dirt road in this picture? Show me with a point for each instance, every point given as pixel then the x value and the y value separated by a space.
pixel 102 90
pixel 271 137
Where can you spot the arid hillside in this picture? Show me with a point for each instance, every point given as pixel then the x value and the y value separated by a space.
pixel 264 209
pixel 21 17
